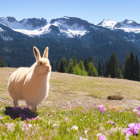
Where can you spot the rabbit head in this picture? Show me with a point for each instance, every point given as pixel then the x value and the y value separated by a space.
pixel 42 65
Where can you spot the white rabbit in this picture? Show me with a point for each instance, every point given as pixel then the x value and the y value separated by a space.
pixel 31 84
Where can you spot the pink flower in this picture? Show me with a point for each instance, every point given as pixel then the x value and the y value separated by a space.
pixel 138 108
pixel 27 119
pixel 138 114
pixel 101 108
pixel 37 118
pixel 101 136
pixel 133 129
pixel 29 125
pixel 27 106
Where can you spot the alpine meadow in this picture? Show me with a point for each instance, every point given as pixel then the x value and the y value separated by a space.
pixel 67 78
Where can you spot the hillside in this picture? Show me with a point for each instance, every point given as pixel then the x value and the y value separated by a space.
pixel 79 91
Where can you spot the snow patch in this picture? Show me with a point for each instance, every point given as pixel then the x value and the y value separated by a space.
pixel 1 30
pixel 40 31
pixel 129 28
pixel 71 31
pixel 107 24
pixel 6 38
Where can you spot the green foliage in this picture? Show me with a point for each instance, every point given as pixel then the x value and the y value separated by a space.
pixel 109 76
pixel 63 65
pixel 131 68
pixel 99 69
pixel 126 69
pixel 92 70
pixel 57 65
pixel 70 67
pixel 77 123
pixel 77 70
pixel 1 62
pixel 112 67
pixel 137 69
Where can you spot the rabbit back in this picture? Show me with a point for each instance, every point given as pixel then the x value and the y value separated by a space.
pixel 15 83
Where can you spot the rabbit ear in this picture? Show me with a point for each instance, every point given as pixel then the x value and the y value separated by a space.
pixel 45 55
pixel 36 53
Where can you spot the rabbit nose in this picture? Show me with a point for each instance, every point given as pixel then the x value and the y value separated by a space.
pixel 47 66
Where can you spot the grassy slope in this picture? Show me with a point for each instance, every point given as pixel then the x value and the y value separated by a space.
pixel 79 90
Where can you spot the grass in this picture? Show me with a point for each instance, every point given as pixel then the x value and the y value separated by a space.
pixel 78 123
pixel 57 121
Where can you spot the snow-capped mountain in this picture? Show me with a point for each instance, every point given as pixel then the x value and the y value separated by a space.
pixel 69 26
pixel 65 36
pixel 126 25
pixel 27 24
pixel 107 24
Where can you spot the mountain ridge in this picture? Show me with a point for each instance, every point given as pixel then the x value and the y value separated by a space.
pixel 70 26
pixel 66 37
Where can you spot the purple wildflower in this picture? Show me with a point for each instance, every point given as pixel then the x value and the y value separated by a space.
pixel 101 108
pixel 133 129
pixel 27 106
pixel 138 108
pixel 101 136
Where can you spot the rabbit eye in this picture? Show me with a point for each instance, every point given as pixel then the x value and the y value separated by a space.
pixel 40 63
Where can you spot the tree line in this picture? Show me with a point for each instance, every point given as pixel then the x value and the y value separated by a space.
pixel 1 62
pixel 84 67
pixel 112 68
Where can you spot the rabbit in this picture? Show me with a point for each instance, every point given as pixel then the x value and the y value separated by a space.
pixel 31 84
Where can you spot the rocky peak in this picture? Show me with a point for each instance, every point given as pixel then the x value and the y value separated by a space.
pixel 72 20
pixel 35 22
pixel 11 19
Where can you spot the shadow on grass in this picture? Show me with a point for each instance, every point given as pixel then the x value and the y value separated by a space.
pixel 17 112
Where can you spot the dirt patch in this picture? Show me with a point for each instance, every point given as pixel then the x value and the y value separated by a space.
pixel 115 97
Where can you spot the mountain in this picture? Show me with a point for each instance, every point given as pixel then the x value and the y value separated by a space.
pixel 126 25
pixel 68 26
pixel 65 36
pixel 107 24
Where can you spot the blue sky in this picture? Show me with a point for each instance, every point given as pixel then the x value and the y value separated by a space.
pixel 93 11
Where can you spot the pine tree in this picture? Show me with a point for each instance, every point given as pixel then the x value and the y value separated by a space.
pixel 107 69
pixel 92 70
pixel 1 62
pixel 102 66
pixel 113 65
pixel 99 69
pixel 82 67
pixel 77 70
pixel 74 61
pixel 86 64
pixel 63 65
pixel 57 65
pixel 126 69
pixel 137 68
pixel 132 67
pixel 70 67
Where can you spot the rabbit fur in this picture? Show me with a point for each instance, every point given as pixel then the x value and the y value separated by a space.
pixel 31 84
